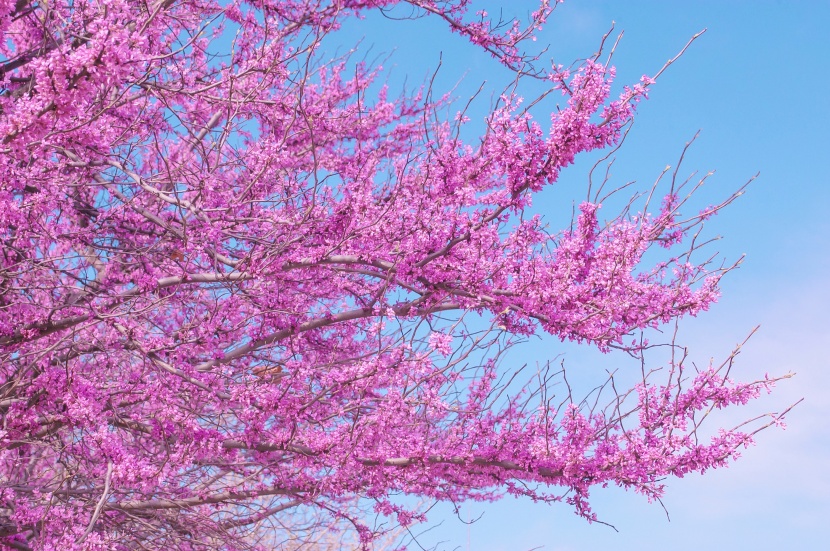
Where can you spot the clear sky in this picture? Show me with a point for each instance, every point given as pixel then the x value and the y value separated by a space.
pixel 757 85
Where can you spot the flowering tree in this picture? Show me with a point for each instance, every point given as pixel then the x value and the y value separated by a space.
pixel 239 279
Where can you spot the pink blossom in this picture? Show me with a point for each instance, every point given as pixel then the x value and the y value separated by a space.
pixel 240 281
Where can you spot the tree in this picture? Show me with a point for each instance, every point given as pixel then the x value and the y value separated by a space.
pixel 241 281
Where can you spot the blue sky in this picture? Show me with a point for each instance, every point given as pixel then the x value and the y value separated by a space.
pixel 757 85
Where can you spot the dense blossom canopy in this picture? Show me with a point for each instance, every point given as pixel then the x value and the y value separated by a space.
pixel 240 279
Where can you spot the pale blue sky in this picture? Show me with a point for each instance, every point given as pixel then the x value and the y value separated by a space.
pixel 758 85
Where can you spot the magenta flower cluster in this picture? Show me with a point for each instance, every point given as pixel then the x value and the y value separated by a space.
pixel 240 280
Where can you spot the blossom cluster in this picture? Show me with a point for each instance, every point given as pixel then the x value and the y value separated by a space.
pixel 234 280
